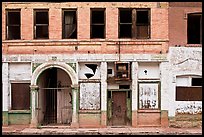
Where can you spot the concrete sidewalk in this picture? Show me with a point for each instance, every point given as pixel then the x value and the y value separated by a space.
pixel 26 130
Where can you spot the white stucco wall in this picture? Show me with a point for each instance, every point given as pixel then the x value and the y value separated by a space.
pixel 183 61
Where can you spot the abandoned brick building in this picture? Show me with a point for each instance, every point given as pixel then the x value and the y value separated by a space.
pixel 93 64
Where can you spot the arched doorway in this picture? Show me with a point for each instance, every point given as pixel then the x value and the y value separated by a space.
pixel 54 97
pixel 54 94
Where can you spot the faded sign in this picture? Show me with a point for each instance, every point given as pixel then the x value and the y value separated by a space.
pixel 148 95
pixel 90 96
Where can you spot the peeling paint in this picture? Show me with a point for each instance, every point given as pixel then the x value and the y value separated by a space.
pixel 90 96
pixel 190 107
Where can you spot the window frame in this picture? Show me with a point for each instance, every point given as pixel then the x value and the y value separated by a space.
pixel 9 25
pixel 63 24
pixel 134 24
pixel 35 26
pixel 97 24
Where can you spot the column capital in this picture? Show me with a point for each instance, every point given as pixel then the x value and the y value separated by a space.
pixel 34 87
pixel 76 86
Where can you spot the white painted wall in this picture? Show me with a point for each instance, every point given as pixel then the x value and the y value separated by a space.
pixel 183 62
pixel 5 93
pixel 153 71
pixel 19 71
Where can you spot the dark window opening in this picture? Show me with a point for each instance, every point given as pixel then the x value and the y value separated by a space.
pixel 122 71
pixel 196 81
pixel 125 23
pixel 69 24
pixel 134 23
pixel 194 28
pixel 41 24
pixel 97 23
pixel 124 86
pixel 110 71
pixel 188 93
pixel 13 25
pixel 129 95
pixel 20 96
pixel 109 94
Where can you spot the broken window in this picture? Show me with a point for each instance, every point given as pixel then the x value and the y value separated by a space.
pixel 189 92
pixel 134 23
pixel 69 24
pixel 20 96
pixel 122 71
pixel 13 24
pixel 97 23
pixel 41 24
pixel 194 28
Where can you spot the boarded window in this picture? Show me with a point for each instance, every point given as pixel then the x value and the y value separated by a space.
pixel 41 24
pixel 97 23
pixel 13 24
pixel 194 28
pixel 134 23
pixel 20 96
pixel 188 93
pixel 69 24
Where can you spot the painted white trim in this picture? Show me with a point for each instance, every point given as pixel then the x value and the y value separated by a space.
pixel 69 70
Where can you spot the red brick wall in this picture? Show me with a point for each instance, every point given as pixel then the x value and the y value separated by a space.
pixel 178 24
pixel 55 23
pixel 157 43
pixel 27 24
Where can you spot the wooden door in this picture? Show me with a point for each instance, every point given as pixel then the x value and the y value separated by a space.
pixel 119 108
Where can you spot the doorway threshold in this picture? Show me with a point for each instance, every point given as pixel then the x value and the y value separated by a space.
pixel 119 126
pixel 56 126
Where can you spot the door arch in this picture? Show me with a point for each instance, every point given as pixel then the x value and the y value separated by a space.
pixel 36 101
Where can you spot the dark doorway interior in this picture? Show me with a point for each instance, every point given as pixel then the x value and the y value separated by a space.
pixel 51 97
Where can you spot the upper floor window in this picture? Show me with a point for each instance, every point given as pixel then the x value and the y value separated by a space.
pixel 69 24
pixel 13 24
pixel 134 23
pixel 194 28
pixel 97 23
pixel 41 24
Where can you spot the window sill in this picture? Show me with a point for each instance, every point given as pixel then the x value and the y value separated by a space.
pixel 19 111
pixel 89 111
pixel 149 111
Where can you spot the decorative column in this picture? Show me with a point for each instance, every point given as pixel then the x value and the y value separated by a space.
pixel 103 94
pixel 34 99
pixel 75 103
pixel 134 93
pixel 5 92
